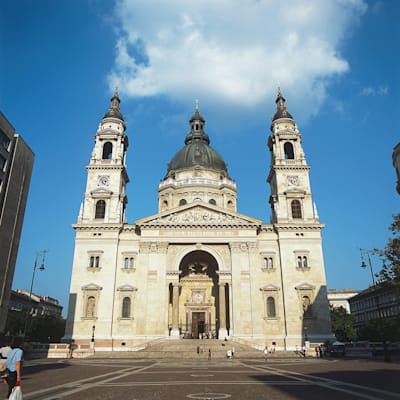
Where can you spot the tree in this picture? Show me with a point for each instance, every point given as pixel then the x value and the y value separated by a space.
pixel 39 328
pixel 391 254
pixel 342 324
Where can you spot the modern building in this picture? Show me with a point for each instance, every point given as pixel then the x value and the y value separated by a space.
pixel 16 163
pixel 34 304
pixel 396 164
pixel 340 298
pixel 381 300
pixel 197 267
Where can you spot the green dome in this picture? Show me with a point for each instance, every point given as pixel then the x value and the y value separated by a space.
pixel 197 151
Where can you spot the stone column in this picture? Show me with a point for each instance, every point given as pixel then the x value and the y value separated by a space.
pixel 222 333
pixel 175 310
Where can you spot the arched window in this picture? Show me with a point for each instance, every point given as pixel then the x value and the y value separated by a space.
pixel 107 151
pixel 213 202
pixel 288 149
pixel 299 262
pixel 129 263
pixel 164 205
pixel 100 209
pixel 268 263
pixel 296 209
pixel 90 307
pixel 306 306
pixel 271 311
pixel 126 307
pixel 182 202
pixel 305 262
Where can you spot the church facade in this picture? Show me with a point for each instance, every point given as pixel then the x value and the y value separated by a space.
pixel 198 268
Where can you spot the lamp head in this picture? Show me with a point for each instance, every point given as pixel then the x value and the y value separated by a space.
pixel 363 265
pixel 42 267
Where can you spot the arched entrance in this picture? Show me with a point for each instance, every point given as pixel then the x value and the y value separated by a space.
pixel 196 302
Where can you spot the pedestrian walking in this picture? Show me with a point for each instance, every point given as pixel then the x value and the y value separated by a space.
pixel 209 354
pixel 266 353
pixel 14 360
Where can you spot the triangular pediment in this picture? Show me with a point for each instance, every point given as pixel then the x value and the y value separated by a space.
pixel 305 286
pixel 199 214
pixel 269 288
pixel 127 288
pixel 92 286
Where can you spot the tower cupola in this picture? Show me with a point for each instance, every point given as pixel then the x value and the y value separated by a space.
pixel 281 111
pixel 197 123
pixel 114 111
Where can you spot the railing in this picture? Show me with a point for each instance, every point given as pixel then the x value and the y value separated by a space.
pixel 198 181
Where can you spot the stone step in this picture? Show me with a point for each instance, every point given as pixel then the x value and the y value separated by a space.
pixel 193 349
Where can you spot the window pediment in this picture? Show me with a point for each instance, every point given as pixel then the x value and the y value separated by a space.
pixel 270 288
pixel 127 288
pixel 305 286
pixel 92 286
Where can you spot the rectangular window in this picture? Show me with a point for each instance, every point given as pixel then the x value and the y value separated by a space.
pixel 129 263
pixel 2 163
pixel 268 263
pixel 128 260
pixel 302 259
pixel 94 262
pixel 4 140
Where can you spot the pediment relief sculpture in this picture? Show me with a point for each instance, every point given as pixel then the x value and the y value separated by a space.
pixel 200 216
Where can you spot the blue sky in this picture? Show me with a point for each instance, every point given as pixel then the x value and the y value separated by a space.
pixel 336 62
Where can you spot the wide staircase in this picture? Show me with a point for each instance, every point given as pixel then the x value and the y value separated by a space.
pixel 192 348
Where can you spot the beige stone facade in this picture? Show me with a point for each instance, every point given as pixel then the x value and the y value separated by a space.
pixel 198 268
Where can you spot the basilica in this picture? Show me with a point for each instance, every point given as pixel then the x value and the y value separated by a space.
pixel 198 268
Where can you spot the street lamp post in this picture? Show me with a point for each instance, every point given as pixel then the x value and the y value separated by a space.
pixel 378 306
pixel 92 339
pixel 364 265
pixel 39 254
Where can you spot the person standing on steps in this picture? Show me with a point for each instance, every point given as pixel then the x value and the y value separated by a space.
pixel 209 354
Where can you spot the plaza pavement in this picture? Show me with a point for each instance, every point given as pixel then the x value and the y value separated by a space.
pixel 200 378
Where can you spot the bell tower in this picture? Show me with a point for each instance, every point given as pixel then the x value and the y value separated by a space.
pixel 105 196
pixel 291 198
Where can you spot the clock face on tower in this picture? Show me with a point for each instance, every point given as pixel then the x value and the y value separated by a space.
pixel 103 180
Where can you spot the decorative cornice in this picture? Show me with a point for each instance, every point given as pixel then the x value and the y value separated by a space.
pixel 97 227
pixel 296 227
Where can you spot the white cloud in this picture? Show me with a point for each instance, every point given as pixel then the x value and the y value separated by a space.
pixel 234 52
pixel 375 91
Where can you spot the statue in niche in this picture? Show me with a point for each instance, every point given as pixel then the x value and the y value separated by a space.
pixel 198 268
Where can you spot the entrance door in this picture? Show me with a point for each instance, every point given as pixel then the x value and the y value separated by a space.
pixel 198 324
